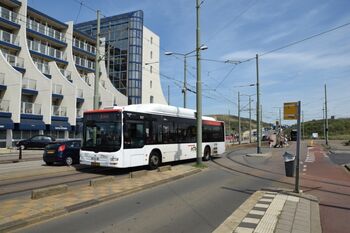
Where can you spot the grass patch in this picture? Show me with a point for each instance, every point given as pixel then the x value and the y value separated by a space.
pixel 200 166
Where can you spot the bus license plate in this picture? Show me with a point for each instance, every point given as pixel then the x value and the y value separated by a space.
pixel 95 164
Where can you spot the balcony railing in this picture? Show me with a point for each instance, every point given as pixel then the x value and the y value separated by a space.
pixel 43 67
pixel 9 15
pixel 2 79
pixel 84 46
pixel 4 105
pixel 80 93
pixel 14 61
pixel 66 74
pixel 9 37
pixel 45 30
pixel 28 83
pixel 31 108
pixel 57 89
pixel 59 111
pixel 44 49
pixel 84 62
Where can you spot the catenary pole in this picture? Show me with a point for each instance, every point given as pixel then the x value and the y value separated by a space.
pixel 296 188
pixel 168 94
pixel 258 147
pixel 184 90
pixel 97 65
pixel 250 120
pixel 199 88
pixel 239 119
pixel 326 112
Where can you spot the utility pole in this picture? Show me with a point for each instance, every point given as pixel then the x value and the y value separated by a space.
pixel 97 65
pixel 326 113
pixel 296 188
pixel 109 48
pixel 229 122
pixel 261 125
pixel 324 122
pixel 184 90
pixel 199 88
pixel 303 123
pixel 250 120
pixel 279 112
pixel 258 136
pixel 239 119
pixel 168 94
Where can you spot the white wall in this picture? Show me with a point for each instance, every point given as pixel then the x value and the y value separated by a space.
pixel 156 90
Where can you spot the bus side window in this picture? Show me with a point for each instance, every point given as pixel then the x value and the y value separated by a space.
pixel 134 135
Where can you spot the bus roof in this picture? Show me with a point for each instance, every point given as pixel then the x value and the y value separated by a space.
pixel 160 109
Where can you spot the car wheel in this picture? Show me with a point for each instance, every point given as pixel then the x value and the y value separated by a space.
pixel 69 161
pixel 49 163
pixel 154 161
pixel 206 155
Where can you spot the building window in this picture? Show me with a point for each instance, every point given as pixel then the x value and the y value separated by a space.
pixel 151 40
pixel 151 55
pixel 151 69
pixel 151 99
pixel 150 84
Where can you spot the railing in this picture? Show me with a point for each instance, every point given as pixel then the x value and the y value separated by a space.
pixel 80 93
pixel 43 67
pixel 66 74
pixel 84 46
pixel 2 79
pixel 57 89
pixel 79 112
pixel 9 15
pixel 84 62
pixel 28 83
pixel 45 30
pixel 4 105
pixel 9 37
pixel 44 49
pixel 31 108
pixel 13 60
pixel 59 111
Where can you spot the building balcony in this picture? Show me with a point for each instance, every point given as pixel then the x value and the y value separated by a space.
pixel 43 67
pixel 16 62
pixel 81 45
pixel 57 91
pixel 9 17
pixel 47 32
pixel 46 51
pixel 67 74
pixel 30 108
pixel 9 39
pixel 29 86
pixel 4 105
pixel 59 111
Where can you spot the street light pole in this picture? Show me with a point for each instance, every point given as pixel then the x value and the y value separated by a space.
pixel 97 65
pixel 184 90
pixel 250 120
pixel 258 148
pixel 239 119
pixel 199 89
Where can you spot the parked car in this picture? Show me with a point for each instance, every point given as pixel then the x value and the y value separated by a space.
pixel 64 152
pixel 38 141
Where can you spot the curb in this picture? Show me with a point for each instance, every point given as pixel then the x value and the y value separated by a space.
pixel 10 226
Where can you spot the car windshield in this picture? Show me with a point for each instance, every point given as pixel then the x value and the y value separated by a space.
pixel 102 133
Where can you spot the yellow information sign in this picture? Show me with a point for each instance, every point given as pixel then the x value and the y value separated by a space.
pixel 290 111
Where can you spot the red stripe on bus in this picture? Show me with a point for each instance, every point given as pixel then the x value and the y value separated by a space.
pixel 103 110
pixel 212 123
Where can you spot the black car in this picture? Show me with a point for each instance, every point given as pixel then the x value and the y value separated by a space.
pixel 38 141
pixel 66 152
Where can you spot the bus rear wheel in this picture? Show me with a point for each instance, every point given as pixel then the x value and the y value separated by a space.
pixel 206 155
pixel 154 160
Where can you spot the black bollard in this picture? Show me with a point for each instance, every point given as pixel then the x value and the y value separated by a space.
pixel 20 153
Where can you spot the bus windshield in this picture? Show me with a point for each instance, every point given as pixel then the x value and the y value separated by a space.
pixel 102 132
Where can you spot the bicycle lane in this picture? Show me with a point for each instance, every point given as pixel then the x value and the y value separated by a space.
pixel 331 184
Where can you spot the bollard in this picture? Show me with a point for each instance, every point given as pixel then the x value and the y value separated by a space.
pixel 20 153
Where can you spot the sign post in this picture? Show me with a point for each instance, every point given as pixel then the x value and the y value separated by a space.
pixel 292 111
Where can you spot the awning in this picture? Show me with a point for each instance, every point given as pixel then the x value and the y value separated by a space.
pixel 6 123
pixel 60 126
pixel 31 124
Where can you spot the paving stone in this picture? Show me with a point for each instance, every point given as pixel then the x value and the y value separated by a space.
pixel 284 226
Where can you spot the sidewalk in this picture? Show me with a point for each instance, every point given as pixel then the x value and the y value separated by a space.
pixel 275 211
pixel 23 211
pixel 12 155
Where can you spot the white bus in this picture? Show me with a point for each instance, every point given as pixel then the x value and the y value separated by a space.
pixel 146 134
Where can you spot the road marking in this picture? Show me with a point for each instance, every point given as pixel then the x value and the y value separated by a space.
pixel 304 170
pixel 251 220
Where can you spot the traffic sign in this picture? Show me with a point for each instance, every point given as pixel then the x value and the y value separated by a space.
pixel 290 111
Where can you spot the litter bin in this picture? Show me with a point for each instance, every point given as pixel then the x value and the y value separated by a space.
pixel 289 164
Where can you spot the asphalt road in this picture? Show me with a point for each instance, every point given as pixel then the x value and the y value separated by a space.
pixel 340 158
pixel 199 203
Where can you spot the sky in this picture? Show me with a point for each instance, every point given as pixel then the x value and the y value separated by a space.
pixel 237 30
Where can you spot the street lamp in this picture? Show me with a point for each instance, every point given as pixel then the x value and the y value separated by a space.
pixel 185 55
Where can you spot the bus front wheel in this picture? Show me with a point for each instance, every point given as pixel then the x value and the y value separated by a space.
pixel 206 155
pixel 154 160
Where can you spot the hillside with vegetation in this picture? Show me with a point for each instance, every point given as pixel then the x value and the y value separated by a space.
pixel 338 128
pixel 231 123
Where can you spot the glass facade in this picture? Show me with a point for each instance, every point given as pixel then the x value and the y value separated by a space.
pixel 124 34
